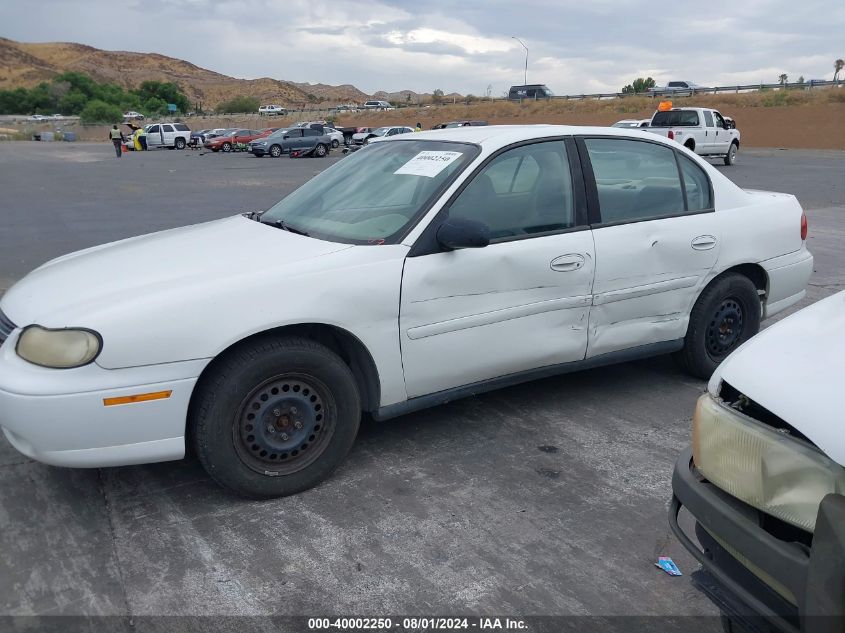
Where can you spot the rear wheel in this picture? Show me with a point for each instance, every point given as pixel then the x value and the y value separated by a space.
pixel 321 150
pixel 730 157
pixel 227 147
pixel 275 151
pixel 180 143
pixel 726 314
pixel 275 417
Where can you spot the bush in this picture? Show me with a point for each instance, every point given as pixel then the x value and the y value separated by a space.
pixel 237 105
pixel 100 112
pixel 837 95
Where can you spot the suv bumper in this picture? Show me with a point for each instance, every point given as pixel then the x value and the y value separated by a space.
pixel 815 576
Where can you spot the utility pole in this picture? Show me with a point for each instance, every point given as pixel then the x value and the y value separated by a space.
pixel 525 78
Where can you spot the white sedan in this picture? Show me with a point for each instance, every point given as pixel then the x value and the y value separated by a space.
pixel 421 269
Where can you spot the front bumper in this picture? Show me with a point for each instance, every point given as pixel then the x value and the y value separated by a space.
pixel 814 576
pixel 258 150
pixel 59 417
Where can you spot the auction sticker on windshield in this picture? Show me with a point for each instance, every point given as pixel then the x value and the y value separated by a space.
pixel 428 164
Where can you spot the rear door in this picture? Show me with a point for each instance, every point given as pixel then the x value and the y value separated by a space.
pixel 709 142
pixel 520 303
pixel 656 239
pixel 168 134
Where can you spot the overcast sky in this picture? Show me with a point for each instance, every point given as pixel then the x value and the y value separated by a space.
pixel 463 46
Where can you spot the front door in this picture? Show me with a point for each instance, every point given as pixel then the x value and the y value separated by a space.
pixel 656 241
pixel 168 134
pixel 722 143
pixel 154 136
pixel 520 303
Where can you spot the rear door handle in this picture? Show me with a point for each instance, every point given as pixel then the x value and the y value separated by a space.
pixel 703 242
pixel 566 263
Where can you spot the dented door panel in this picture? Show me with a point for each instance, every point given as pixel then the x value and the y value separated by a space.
pixel 648 275
pixel 476 314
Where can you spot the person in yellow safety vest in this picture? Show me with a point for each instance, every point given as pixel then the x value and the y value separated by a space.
pixel 141 138
pixel 116 137
pixel 418 128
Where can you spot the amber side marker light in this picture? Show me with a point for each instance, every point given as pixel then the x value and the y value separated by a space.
pixel 141 397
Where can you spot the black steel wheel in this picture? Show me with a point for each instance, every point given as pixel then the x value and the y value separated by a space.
pixel 725 315
pixel 274 416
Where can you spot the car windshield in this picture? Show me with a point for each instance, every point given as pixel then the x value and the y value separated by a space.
pixel 373 195
pixel 278 133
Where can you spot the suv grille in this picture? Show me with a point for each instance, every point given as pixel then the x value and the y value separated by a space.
pixel 6 327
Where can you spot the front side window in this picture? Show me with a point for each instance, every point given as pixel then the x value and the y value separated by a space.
pixel 374 195
pixel 523 191
pixel 720 122
pixel 636 180
pixel 153 130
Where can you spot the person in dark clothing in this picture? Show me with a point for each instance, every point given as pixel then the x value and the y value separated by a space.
pixel 116 137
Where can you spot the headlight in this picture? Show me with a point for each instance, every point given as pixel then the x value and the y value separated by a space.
pixel 59 349
pixel 777 474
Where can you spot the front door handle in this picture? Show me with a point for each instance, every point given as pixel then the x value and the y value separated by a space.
pixel 703 242
pixel 566 263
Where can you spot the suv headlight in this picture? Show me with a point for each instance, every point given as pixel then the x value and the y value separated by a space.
pixel 773 472
pixel 58 349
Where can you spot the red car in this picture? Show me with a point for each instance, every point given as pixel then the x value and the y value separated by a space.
pixel 226 143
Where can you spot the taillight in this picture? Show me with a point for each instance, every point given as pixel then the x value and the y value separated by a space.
pixel 671 135
pixel 803 226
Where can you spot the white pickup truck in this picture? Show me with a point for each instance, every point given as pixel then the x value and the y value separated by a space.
pixel 702 130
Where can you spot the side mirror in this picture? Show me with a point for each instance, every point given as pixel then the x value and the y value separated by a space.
pixel 285 136
pixel 457 233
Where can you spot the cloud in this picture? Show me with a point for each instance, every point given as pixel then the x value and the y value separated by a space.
pixel 574 47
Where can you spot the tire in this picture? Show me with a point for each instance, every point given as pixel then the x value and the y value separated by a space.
pixel 335 143
pixel 725 315
pixel 180 143
pixel 227 147
pixel 321 150
pixel 730 157
pixel 311 387
pixel 275 151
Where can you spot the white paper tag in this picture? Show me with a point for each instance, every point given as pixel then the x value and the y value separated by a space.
pixel 428 164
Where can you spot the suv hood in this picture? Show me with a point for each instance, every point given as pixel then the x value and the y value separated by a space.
pixel 796 369
pixel 80 288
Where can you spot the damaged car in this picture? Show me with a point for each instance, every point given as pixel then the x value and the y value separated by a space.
pixel 423 268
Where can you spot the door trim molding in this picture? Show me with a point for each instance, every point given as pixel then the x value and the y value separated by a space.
pixel 456 393
pixel 635 292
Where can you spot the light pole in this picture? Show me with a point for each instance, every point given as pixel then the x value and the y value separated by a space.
pixel 525 78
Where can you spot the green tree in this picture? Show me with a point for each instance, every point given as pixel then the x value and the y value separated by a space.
pixel 97 111
pixel 838 65
pixel 783 78
pixel 801 80
pixel 437 95
pixel 639 85
pixel 73 102
pixel 238 104
pixel 154 105
pixel 167 91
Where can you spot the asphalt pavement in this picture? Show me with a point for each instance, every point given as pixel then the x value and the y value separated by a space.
pixel 548 498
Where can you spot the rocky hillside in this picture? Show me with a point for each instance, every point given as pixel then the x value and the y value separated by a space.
pixel 25 64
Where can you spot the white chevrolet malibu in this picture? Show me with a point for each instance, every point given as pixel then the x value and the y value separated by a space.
pixel 421 269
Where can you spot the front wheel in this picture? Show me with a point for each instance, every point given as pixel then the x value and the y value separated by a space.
pixel 730 157
pixel 726 315
pixel 320 150
pixel 275 417
pixel 275 151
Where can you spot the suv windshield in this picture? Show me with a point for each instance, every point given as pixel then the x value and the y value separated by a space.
pixel 373 195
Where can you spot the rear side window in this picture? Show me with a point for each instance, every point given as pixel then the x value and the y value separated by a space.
pixel 708 118
pixel 697 185
pixel 167 128
pixel 309 132
pixel 636 180
pixel 182 127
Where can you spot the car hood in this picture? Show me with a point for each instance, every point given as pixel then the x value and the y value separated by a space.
pixel 80 288
pixel 796 369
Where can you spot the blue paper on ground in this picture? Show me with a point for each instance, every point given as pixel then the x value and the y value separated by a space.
pixel 668 565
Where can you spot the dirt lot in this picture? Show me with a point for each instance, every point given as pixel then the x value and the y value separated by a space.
pixel 783 119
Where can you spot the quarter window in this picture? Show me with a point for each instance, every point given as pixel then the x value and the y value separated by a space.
pixel 524 191
pixel 636 180
pixel 697 185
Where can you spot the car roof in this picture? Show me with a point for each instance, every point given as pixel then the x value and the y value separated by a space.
pixel 495 136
